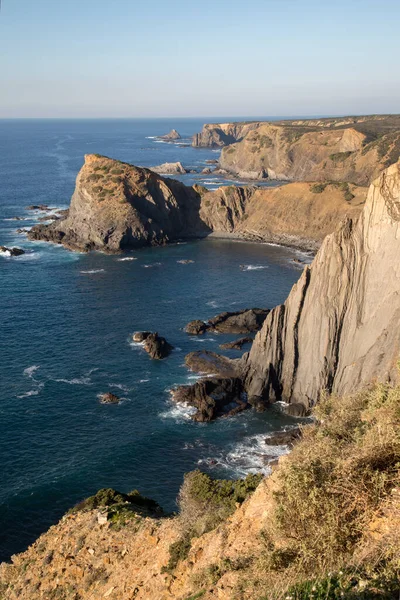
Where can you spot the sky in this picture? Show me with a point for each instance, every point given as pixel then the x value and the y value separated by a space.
pixel 187 58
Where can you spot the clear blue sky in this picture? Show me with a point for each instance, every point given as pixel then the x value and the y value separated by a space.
pixel 154 58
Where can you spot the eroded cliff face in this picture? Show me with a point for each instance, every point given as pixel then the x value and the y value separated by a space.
pixel 295 153
pixel 117 206
pixel 221 134
pixel 340 326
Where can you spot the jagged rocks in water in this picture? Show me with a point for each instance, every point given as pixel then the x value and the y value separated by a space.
pixel 236 344
pixel 212 397
pixel 258 403
pixel 241 321
pixel 172 135
pixel 204 361
pixel 196 327
pixel 156 346
pixel 206 171
pixel 173 168
pixel 38 207
pixel 109 398
pixel 11 251
pixel 140 336
pixel 284 438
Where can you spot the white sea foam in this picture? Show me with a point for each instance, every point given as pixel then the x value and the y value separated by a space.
pixel 120 386
pixel 5 254
pixel 76 381
pixel 202 340
pixel 253 267
pixel 34 392
pixel 29 371
pixel 151 137
pixel 143 380
pixel 156 264
pixel 252 455
pixel 179 412
pixel 212 303
pixel 127 258
pixel 92 271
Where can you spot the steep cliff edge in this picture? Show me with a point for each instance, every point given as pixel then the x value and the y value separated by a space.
pixel 117 206
pixel 339 329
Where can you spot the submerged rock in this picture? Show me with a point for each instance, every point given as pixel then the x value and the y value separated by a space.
pixel 236 344
pixel 11 251
pixel 109 398
pixel 284 438
pixel 212 397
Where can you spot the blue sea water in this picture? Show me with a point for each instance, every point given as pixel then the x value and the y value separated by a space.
pixel 66 326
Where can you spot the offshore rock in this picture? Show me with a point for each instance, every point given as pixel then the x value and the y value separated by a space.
pixel 212 397
pixel 172 135
pixel 156 346
pixel 339 329
pixel 11 251
pixel 236 344
pixel 173 168
pixel 241 321
pixel 109 398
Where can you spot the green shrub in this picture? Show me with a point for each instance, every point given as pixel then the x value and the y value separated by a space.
pixel 318 188
pixel 340 156
pixel 178 551
pixel 110 498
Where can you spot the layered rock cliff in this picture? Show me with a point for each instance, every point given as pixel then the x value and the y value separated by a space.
pixel 117 206
pixel 339 329
pixel 353 149
pixel 221 134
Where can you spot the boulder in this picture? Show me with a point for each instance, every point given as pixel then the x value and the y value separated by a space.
pixel 212 397
pixel 11 251
pixel 156 346
pixel 109 398
pixel 196 327
pixel 236 344
pixel 284 438
pixel 204 361
pixel 206 171
pixel 38 207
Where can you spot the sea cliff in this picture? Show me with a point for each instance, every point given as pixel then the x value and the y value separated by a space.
pixel 117 206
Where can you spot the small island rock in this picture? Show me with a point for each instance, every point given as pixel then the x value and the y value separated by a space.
pixel 109 398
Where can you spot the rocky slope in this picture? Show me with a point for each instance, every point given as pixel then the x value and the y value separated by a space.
pixel 339 328
pixel 230 542
pixel 117 206
pixel 353 149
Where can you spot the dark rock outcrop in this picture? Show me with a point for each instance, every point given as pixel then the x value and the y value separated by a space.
pixel 156 346
pixel 241 321
pixel 204 361
pixel 11 251
pixel 284 438
pixel 339 329
pixel 212 397
pixel 236 344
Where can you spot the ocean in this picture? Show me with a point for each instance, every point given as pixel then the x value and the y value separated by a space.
pixel 66 326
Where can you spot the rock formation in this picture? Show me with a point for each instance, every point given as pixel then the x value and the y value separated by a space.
pixel 155 345
pixel 109 398
pixel 175 168
pixel 117 206
pixel 11 251
pixel 171 136
pixel 339 329
pixel 241 321
pixel 204 361
pixel 236 344
pixel 353 149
